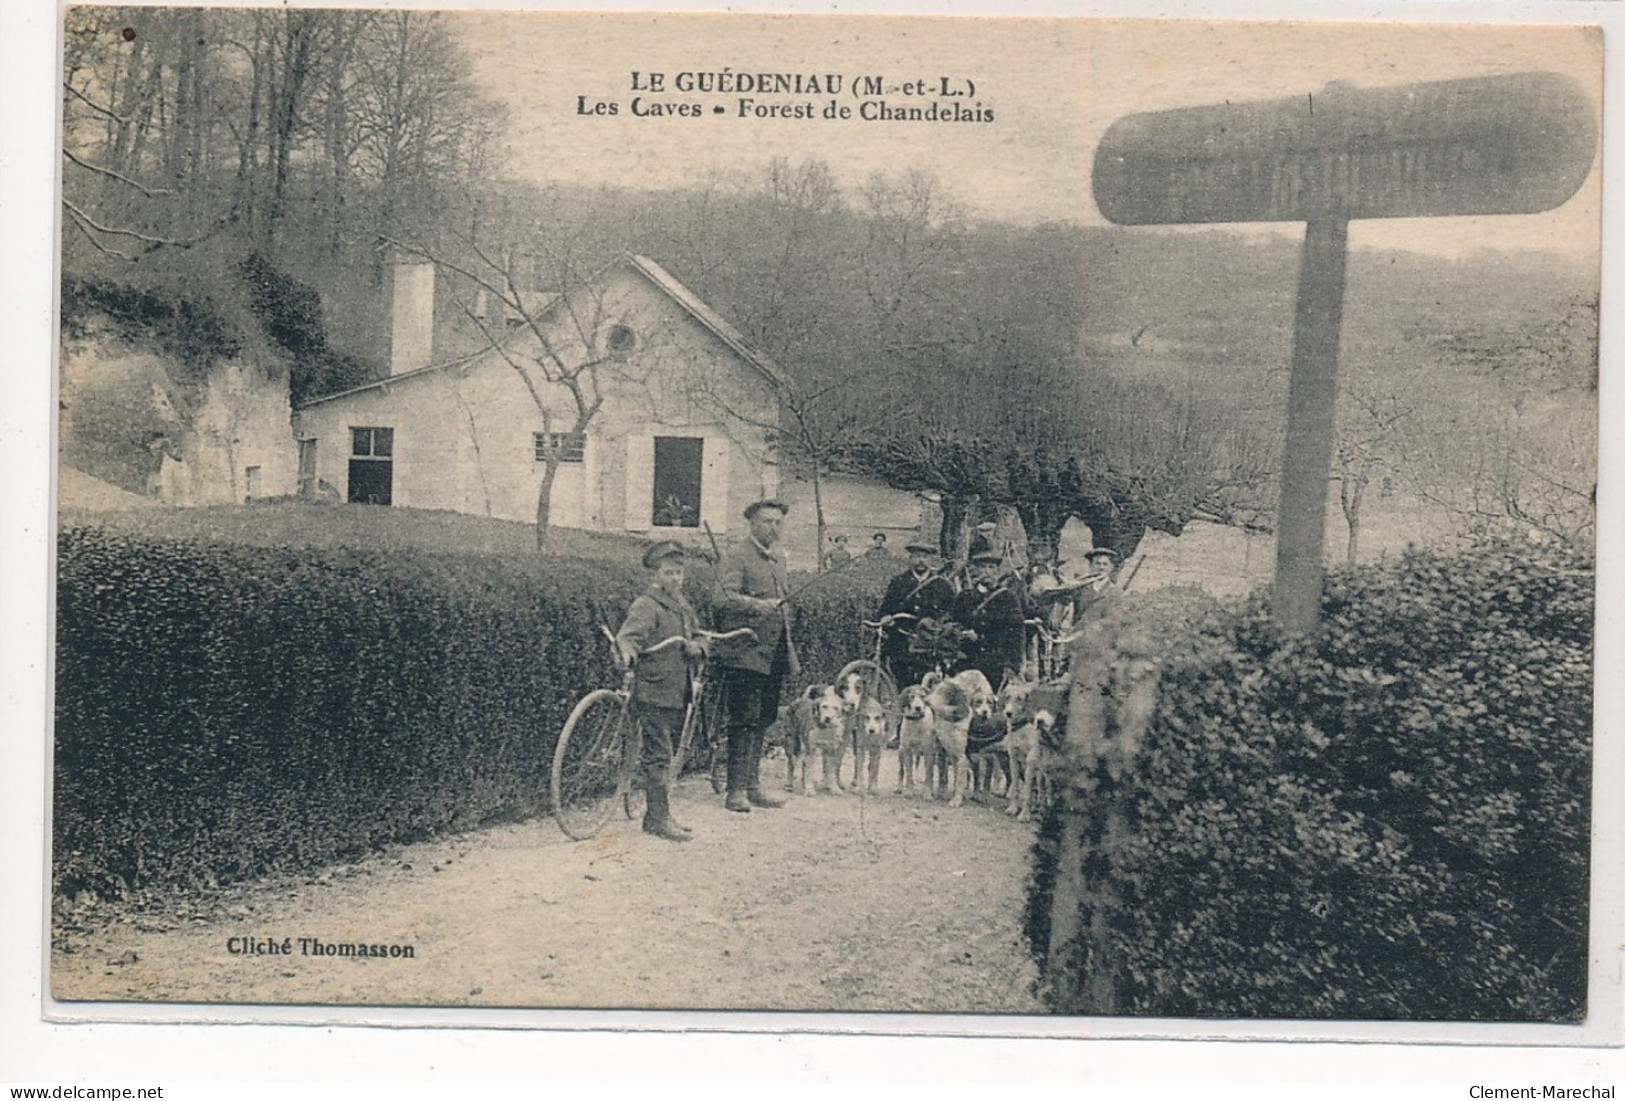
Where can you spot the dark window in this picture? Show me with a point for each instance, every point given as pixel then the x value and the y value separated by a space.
pixel 378 443
pixel 372 469
pixel 572 446
pixel 621 340
pixel 679 465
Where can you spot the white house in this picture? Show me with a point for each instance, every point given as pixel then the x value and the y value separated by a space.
pixel 682 435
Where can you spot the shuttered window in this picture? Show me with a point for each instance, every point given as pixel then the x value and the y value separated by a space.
pixel 572 446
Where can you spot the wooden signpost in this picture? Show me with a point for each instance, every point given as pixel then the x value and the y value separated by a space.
pixel 1516 144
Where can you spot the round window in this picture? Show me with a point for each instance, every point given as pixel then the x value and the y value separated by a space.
pixel 621 340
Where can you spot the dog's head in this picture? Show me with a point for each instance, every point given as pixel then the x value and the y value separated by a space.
pixel 913 704
pixel 982 705
pixel 872 718
pixel 1047 704
pixel 850 690
pixel 1013 701
pixel 828 707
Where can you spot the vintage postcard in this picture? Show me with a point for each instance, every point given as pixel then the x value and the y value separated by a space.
pixel 1051 525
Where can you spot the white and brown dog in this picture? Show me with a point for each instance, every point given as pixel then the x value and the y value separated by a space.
pixel 814 728
pixel 916 735
pixel 951 703
pixel 985 734
pixel 1036 717
pixel 870 727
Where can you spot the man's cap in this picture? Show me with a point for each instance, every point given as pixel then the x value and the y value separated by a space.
pixel 1100 552
pixel 920 548
pixel 840 538
pixel 987 558
pixel 659 552
pixel 770 502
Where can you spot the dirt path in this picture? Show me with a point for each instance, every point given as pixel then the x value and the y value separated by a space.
pixel 831 903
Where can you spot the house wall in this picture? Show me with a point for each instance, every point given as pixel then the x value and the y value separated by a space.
pixel 464 435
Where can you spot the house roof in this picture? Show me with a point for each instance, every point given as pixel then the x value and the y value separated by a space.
pixel 706 316
pixel 663 280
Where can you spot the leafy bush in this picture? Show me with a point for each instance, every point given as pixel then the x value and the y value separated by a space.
pixel 223 710
pixel 290 314
pixel 1388 821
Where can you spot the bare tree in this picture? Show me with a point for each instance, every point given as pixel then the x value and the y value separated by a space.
pixel 562 351
pixel 1368 421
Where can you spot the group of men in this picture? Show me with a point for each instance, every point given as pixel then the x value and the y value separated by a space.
pixel 752 590
pixel 991 599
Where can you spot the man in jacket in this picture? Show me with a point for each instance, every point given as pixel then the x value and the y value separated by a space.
pixel 661 685
pixel 919 591
pixel 997 613
pixel 752 591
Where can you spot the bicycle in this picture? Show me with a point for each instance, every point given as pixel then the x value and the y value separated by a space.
pixel 1045 654
pixel 595 764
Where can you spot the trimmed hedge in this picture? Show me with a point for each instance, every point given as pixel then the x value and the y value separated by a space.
pixel 1389 821
pixel 225 710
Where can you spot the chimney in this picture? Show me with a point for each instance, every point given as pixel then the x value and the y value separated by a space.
pixel 411 325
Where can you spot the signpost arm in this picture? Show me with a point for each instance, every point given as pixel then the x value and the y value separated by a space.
pixel 1311 421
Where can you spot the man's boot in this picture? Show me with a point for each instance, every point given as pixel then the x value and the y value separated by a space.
pixel 738 747
pixel 657 819
pixel 753 773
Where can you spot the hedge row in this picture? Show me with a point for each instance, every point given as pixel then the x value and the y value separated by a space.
pixel 223 710
pixel 1390 821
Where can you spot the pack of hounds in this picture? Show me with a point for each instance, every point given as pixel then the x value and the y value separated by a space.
pixel 956 736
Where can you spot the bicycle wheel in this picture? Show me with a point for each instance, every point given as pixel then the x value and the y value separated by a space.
pixel 589 762
pixel 701 737
pixel 877 683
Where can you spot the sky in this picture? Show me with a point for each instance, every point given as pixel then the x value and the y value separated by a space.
pixel 1054 86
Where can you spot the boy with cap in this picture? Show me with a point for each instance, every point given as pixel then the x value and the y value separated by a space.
pixel 661 685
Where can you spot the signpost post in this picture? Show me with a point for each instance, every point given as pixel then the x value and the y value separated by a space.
pixel 1516 144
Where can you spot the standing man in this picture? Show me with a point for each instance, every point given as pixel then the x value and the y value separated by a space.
pixel 838 555
pixel 1098 585
pixel 752 589
pixel 919 591
pixel 997 613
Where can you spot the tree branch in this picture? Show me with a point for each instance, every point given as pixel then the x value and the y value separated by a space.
pixel 94 106
pixel 153 243
pixel 116 176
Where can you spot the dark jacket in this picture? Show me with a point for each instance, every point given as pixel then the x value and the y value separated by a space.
pixel 997 618
pixel 746 575
pixel 656 615
pixel 932 598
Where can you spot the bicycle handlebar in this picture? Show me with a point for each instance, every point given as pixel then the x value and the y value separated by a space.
pixel 1042 629
pixel 888 620
pixel 709 636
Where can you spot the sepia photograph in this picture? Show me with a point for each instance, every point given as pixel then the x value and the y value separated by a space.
pixel 1042 519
